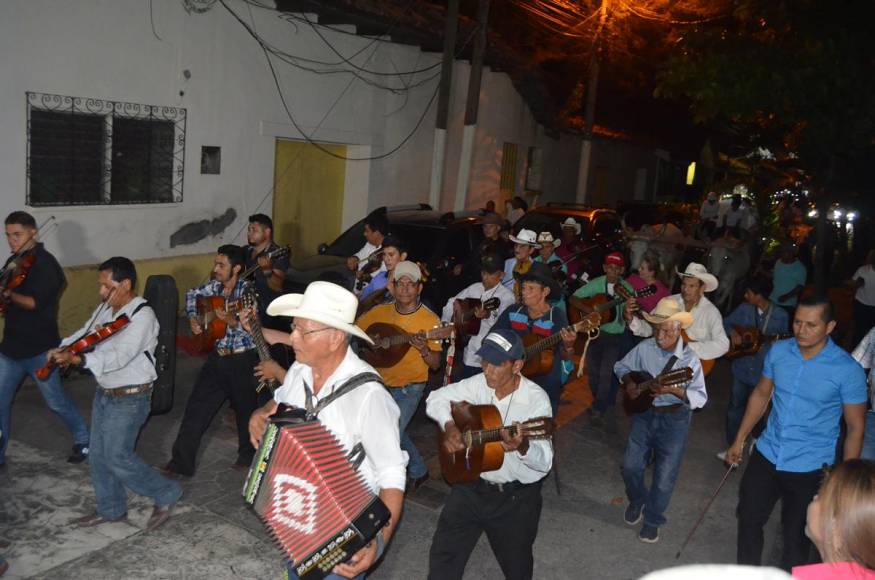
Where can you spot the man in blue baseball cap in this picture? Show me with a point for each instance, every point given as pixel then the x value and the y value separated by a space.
pixel 504 503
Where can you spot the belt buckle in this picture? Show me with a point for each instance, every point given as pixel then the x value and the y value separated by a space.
pixel 500 487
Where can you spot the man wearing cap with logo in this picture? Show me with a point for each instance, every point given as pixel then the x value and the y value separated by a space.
pixel 489 287
pixel 706 335
pixel 661 431
pixel 406 379
pixel 604 352
pixel 536 316
pixel 525 244
pixel 323 324
pixel 505 503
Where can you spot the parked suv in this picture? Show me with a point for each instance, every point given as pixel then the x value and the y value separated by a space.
pixel 600 229
pixel 437 240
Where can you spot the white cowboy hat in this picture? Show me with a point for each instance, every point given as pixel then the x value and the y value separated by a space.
pixel 669 309
pixel 699 271
pixel 570 222
pixel 323 302
pixel 547 238
pixel 527 238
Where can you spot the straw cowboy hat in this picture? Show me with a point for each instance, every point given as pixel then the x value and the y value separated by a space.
pixel 699 271
pixel 669 309
pixel 571 223
pixel 323 302
pixel 547 238
pixel 527 238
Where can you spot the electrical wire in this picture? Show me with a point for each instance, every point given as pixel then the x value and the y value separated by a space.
pixel 152 21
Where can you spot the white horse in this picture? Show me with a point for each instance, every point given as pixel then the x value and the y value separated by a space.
pixel 664 240
pixel 731 264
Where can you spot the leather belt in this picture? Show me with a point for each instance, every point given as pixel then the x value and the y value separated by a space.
pixel 124 391
pixel 488 486
pixel 669 408
pixel 222 351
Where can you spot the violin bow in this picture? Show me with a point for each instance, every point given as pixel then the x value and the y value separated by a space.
pixel 14 262
pixel 705 510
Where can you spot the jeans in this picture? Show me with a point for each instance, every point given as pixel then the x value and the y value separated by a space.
pixel 12 372
pixel 869 437
pixel 665 434
pixel 407 398
pixel 115 426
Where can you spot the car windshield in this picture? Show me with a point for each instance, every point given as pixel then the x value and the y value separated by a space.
pixel 542 222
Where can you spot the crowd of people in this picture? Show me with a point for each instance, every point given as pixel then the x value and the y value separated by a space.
pixel 793 387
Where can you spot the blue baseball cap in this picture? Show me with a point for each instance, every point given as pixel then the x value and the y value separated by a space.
pixel 502 345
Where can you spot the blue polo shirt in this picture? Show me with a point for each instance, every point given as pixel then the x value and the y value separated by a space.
pixel 807 404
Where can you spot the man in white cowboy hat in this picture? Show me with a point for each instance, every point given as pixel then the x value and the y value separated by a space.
pixel 572 247
pixel 323 324
pixel 660 431
pixel 706 335
pixel 547 251
pixel 525 244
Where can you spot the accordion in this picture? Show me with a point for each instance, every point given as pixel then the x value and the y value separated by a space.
pixel 314 503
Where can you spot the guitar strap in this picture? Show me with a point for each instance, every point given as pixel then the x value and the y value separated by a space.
pixel 139 307
pixel 671 360
pixel 357 453
pixel 768 317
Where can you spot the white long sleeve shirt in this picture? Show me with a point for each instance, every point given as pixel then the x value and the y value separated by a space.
pixel 121 360
pixel 707 336
pixel 505 299
pixel 366 415
pixel 527 402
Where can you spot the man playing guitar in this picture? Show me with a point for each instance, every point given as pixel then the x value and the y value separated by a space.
pixel 227 372
pixel 661 431
pixel 376 228
pixel 505 503
pixel 31 329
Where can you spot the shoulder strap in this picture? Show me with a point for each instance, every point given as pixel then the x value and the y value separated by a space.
pixel 673 359
pixel 351 384
pixel 139 307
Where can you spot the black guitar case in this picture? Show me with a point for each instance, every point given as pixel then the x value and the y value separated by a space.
pixel 162 296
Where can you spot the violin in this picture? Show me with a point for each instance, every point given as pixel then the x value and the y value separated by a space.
pixel 86 343
pixel 14 275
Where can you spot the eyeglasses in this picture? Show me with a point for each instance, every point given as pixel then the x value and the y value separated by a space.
pixel 306 332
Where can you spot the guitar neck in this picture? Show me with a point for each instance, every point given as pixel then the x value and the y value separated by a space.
pixel 258 338
pixel 481 437
pixel 545 344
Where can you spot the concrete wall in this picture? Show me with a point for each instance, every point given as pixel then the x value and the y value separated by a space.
pixel 106 49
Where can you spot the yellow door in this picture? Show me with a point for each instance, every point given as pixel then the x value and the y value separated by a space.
pixel 307 196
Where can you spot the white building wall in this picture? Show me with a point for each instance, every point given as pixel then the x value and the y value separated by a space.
pixel 106 49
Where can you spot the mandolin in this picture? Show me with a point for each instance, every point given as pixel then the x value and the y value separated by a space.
pixel 466 322
pixel 539 350
pixel 391 342
pixel 213 328
pixel 603 305
pixel 752 340
pixel 86 343
pixel 250 301
pixel 647 382
pixel 482 428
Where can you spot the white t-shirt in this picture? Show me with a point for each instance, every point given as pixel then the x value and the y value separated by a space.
pixel 505 298
pixel 865 294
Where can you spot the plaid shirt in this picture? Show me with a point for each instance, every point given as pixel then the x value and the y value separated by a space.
pixel 234 337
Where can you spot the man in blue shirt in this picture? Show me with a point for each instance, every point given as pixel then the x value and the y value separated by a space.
pixel 788 278
pixel 812 384
pixel 771 321
pixel 661 431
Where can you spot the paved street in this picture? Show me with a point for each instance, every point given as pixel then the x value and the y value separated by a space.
pixel 213 535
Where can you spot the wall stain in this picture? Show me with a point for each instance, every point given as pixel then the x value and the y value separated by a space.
pixel 193 232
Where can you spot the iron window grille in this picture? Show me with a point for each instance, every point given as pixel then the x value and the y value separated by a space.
pixel 86 151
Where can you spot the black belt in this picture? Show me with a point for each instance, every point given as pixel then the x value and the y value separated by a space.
pixel 483 486
pixel 124 391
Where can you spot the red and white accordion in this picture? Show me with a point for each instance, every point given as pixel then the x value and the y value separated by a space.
pixel 315 504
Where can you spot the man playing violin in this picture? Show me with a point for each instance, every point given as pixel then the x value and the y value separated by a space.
pixel 607 350
pixel 376 228
pixel 227 372
pixel 660 432
pixel 123 365
pixel 406 379
pixel 31 329
pixel 504 503
pixel 394 251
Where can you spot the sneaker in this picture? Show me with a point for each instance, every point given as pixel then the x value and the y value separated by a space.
pixel 649 534
pixel 80 453
pixel 722 456
pixel 633 514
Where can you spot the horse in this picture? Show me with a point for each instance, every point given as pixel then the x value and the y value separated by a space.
pixel 665 240
pixel 731 264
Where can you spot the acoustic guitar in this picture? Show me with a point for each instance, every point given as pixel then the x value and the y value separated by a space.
pixel 707 363
pixel 647 382
pixel 466 322
pixel 482 428
pixel 603 305
pixel 250 301
pixel 213 328
pixel 271 255
pixel 752 340
pixel 391 343
pixel 539 350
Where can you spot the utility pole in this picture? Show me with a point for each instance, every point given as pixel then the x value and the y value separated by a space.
pixel 472 105
pixel 589 112
pixel 443 110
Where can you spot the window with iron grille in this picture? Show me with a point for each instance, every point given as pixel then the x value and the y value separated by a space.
pixel 84 151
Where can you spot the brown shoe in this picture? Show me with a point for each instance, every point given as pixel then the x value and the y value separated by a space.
pixel 159 516
pixel 95 519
